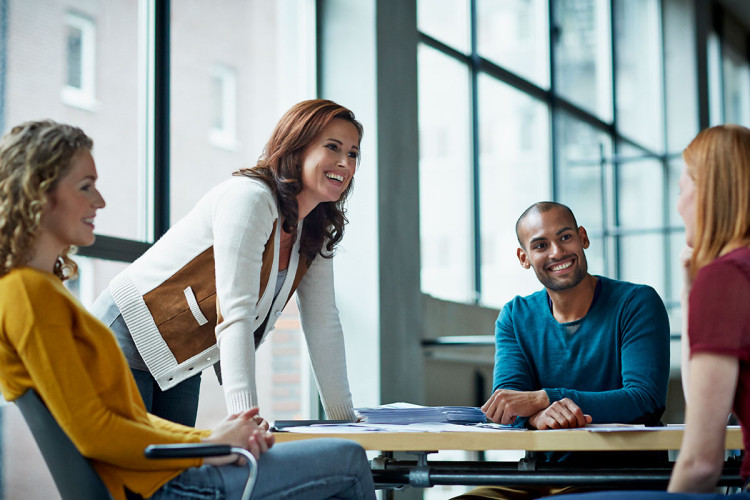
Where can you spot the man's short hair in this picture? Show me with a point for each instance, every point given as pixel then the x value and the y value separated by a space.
pixel 539 208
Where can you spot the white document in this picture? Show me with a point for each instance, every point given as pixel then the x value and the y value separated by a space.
pixel 416 427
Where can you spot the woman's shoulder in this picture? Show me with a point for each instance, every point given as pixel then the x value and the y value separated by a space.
pixel 29 279
pixel 242 183
pixel 27 288
pixel 739 257
pixel 731 266
pixel 241 189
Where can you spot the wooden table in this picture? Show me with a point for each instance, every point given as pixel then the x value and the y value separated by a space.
pixel 389 472
pixel 565 440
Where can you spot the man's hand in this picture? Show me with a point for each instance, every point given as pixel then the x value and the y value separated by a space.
pixel 241 430
pixel 563 414
pixel 505 405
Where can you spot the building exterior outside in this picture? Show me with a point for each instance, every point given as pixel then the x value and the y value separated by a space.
pixel 234 71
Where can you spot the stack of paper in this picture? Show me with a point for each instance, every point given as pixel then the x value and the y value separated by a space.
pixel 406 413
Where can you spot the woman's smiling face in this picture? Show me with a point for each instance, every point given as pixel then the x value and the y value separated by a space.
pixel 328 164
pixel 72 205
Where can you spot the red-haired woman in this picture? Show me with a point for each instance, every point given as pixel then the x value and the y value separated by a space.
pixel 714 202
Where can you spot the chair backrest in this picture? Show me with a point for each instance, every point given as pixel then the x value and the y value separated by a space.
pixel 74 475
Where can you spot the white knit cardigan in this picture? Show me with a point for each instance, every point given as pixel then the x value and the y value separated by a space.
pixel 237 218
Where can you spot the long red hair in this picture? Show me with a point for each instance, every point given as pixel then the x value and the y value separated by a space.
pixel 718 161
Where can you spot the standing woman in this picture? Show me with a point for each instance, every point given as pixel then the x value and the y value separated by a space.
pixel 214 285
pixel 714 202
pixel 51 344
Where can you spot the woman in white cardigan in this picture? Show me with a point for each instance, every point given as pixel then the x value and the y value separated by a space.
pixel 214 285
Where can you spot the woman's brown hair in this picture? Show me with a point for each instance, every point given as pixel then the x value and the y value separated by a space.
pixel 718 161
pixel 280 168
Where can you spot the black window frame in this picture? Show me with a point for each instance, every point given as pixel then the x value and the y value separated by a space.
pixel 611 233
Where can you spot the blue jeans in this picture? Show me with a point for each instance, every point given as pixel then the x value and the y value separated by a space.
pixel 178 404
pixel 301 470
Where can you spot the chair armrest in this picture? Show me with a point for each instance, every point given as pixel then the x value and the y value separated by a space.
pixel 199 450
pixel 187 450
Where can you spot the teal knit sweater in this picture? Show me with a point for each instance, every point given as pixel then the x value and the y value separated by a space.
pixel 613 363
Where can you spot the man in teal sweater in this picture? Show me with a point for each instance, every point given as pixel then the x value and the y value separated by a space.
pixel 585 349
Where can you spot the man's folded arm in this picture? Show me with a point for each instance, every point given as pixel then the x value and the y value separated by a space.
pixel 644 368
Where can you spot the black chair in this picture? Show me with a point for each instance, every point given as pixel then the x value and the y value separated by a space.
pixel 73 473
pixel 207 450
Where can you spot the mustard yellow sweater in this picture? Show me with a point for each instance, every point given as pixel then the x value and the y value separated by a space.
pixel 50 343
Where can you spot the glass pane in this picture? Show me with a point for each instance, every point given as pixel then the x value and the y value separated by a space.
pixel 514 172
pixel 446 21
pixel 580 152
pixel 75 46
pixel 583 62
pixel 244 54
pixel 94 276
pixel 595 254
pixel 716 110
pixel 681 75
pixel 51 72
pixel 515 34
pixel 641 190
pixel 445 173
pixel 639 72
pixel 637 269
pixel 736 87
pixel 218 102
pixel 674 313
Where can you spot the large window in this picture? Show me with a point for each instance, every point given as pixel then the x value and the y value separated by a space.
pixel 514 155
pixel 582 41
pixel 729 66
pixel 514 34
pixel 445 176
pixel 523 101
pixel 585 102
pixel 176 96
pixel 83 67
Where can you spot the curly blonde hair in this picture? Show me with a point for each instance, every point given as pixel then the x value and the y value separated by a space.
pixel 33 157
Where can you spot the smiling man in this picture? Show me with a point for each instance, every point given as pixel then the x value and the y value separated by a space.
pixel 585 349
